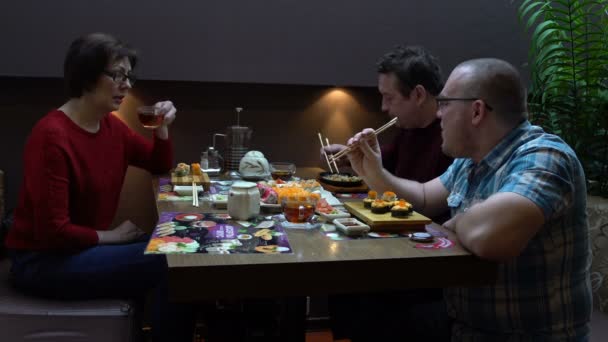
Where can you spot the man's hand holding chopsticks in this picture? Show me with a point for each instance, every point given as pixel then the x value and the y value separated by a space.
pixel 365 156
pixel 331 150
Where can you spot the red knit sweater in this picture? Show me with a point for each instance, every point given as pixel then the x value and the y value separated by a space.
pixel 72 180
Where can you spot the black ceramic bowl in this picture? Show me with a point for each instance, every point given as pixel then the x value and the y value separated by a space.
pixel 323 178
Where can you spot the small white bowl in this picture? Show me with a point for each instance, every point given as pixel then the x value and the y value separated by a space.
pixel 351 226
pixel 186 190
pixel 219 200
pixel 331 217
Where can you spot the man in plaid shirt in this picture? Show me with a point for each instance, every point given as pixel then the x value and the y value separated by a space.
pixel 517 197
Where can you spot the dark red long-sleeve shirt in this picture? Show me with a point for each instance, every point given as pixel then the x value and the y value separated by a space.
pixel 416 154
pixel 72 180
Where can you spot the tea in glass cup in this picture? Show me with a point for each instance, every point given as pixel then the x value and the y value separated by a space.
pixel 281 170
pixel 150 116
pixel 298 209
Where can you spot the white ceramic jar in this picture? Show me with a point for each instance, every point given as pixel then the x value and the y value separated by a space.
pixel 254 166
pixel 243 200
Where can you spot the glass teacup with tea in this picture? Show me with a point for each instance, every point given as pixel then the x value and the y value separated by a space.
pixel 282 170
pixel 298 209
pixel 150 116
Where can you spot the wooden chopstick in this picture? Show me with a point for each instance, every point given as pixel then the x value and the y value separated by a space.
pixel 335 165
pixel 194 195
pixel 350 148
pixel 376 132
pixel 325 153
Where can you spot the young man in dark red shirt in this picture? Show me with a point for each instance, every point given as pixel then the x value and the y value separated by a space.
pixel 409 79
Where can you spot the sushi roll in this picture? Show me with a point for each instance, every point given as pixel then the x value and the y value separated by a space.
pixel 380 207
pixel 182 170
pixel 401 209
pixel 389 196
pixel 371 196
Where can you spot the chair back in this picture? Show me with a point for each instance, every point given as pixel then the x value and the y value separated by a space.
pixel 24 317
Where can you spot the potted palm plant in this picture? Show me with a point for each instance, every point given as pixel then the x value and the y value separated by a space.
pixel 568 95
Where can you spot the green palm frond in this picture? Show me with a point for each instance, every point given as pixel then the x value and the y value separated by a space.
pixel 568 60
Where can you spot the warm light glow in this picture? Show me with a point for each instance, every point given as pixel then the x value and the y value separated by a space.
pixel 128 114
pixel 338 110
pixel 128 107
pixel 338 94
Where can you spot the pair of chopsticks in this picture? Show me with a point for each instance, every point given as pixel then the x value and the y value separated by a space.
pixel 351 147
pixel 194 195
pixel 325 154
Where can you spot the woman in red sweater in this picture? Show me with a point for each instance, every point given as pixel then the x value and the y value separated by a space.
pixel 75 161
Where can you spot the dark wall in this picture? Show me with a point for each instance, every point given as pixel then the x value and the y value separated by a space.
pixel 285 118
pixel 274 58
pixel 316 42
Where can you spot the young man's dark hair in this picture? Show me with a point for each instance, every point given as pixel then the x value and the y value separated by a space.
pixel 412 65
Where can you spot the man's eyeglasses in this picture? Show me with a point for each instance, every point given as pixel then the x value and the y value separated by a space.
pixel 120 77
pixel 443 101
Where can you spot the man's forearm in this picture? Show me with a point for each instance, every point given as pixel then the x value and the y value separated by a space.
pixel 478 234
pixel 489 233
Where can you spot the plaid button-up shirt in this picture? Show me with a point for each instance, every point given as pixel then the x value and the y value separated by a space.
pixel 544 294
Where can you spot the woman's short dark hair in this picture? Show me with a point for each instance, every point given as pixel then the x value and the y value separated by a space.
pixel 412 65
pixel 88 57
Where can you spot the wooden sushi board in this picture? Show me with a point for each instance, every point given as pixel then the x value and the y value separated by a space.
pixel 343 189
pixel 387 223
pixel 187 180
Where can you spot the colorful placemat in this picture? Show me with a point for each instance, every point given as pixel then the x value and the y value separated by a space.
pixel 216 234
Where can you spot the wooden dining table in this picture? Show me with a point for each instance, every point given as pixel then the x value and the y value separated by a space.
pixel 319 265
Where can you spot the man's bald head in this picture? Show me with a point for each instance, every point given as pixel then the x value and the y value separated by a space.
pixel 498 83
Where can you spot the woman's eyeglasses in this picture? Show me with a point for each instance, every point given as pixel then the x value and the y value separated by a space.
pixel 120 77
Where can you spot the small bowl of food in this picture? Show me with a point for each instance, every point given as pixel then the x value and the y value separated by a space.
pixel 351 226
pixel 282 170
pixel 342 179
pixel 334 214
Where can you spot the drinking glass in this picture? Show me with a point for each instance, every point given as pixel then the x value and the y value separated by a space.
pixel 150 116
pixel 282 170
pixel 298 209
